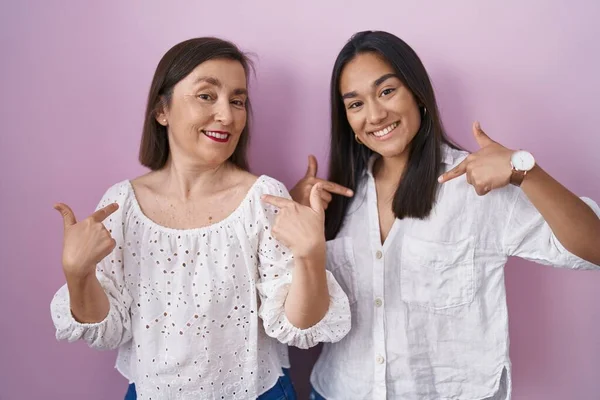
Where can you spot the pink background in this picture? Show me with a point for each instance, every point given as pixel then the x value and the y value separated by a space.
pixel 74 81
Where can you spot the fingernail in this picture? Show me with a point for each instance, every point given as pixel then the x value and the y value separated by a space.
pixel 441 178
pixel 350 193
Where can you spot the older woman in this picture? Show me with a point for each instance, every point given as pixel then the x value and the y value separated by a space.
pixel 168 268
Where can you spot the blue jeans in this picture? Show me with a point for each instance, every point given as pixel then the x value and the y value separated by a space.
pixel 283 390
pixel 314 395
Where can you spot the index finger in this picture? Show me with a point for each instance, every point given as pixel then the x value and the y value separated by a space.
pixel 104 212
pixel 455 172
pixel 335 188
pixel 276 201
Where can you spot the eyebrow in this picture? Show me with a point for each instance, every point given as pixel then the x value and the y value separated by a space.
pixel 376 83
pixel 215 82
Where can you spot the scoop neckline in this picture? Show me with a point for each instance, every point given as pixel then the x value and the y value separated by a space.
pixel 219 224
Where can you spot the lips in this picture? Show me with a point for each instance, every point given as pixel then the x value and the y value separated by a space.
pixel 217 136
pixel 385 131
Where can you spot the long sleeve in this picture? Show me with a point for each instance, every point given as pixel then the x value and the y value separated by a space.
pixel 275 265
pixel 115 329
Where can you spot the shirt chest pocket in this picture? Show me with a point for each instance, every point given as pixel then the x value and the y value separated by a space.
pixel 340 262
pixel 437 275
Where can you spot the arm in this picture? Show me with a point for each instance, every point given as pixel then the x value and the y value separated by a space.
pixel 88 301
pixel 302 302
pixel 94 304
pixel 308 299
pixel 573 222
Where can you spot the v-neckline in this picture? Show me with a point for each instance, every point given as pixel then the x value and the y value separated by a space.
pixel 374 212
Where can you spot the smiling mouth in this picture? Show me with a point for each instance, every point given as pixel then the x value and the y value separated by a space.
pixel 217 136
pixel 385 131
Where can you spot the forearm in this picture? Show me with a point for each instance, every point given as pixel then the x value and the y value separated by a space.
pixel 308 299
pixel 89 303
pixel 572 221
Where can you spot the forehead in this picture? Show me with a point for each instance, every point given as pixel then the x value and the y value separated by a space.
pixel 229 73
pixel 364 69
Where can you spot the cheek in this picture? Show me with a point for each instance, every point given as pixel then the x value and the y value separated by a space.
pixel 201 114
pixel 355 121
pixel 241 119
pixel 415 121
pixel 192 117
pixel 411 114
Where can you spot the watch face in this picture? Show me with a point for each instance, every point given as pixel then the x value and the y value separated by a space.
pixel 522 160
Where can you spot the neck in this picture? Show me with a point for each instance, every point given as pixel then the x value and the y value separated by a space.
pixel 185 180
pixel 390 169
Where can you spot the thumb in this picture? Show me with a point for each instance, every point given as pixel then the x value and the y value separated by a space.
pixel 480 136
pixel 312 167
pixel 67 214
pixel 315 199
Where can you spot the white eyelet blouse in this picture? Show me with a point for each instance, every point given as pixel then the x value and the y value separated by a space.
pixel 185 304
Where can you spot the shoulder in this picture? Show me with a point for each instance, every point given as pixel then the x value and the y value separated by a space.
pixel 265 184
pixel 117 193
pixel 257 210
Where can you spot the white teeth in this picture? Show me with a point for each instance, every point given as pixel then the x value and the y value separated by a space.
pixel 217 135
pixel 385 131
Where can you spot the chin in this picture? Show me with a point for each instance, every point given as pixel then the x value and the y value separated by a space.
pixel 393 150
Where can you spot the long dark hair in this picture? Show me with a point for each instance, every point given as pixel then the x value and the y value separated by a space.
pixel 416 192
pixel 176 64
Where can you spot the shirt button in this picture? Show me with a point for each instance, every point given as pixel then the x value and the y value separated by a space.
pixel 379 254
pixel 378 302
pixel 379 359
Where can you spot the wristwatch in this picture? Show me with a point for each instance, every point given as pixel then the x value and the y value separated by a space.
pixel 521 162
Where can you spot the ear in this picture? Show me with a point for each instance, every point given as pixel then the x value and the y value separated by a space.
pixel 160 112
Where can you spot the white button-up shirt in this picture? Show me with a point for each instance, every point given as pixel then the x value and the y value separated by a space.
pixel 429 314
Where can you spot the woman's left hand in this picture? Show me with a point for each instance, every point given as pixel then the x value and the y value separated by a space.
pixel 487 169
pixel 298 227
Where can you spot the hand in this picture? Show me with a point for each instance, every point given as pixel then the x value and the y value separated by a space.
pixel 86 242
pixel 487 169
pixel 298 227
pixel 301 192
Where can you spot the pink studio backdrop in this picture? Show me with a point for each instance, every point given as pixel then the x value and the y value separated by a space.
pixel 74 81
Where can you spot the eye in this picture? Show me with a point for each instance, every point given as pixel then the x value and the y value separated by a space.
pixel 388 91
pixel 238 103
pixel 356 104
pixel 204 96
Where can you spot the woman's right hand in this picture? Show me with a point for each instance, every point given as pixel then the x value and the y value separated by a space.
pixel 299 227
pixel 86 242
pixel 301 191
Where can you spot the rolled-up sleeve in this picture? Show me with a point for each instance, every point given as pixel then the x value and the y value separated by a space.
pixel 529 236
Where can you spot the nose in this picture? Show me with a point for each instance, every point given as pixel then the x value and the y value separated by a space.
pixel 375 113
pixel 223 113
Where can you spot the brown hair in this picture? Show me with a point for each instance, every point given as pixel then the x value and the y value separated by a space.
pixel 174 66
pixel 417 189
